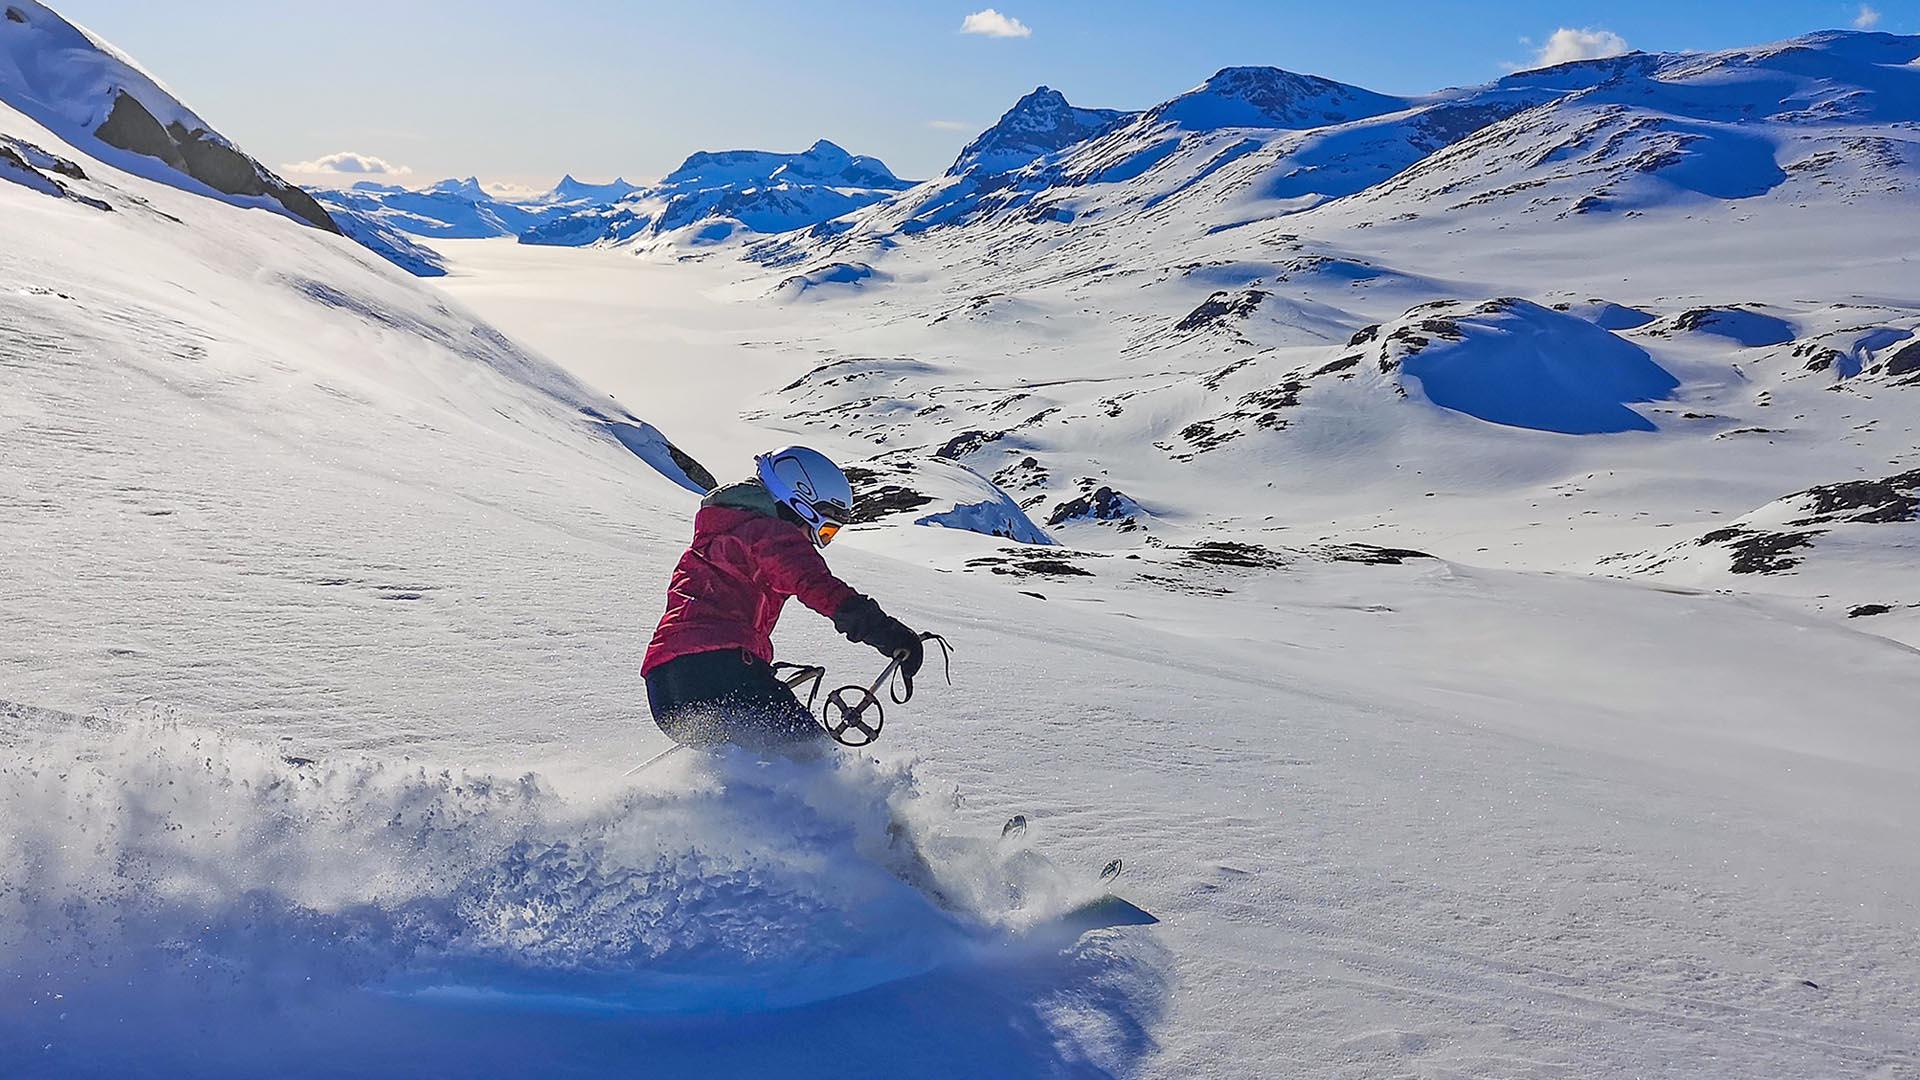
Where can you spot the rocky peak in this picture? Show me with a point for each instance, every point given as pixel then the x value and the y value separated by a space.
pixel 1268 97
pixel 1038 124
pixel 824 162
pixel 468 189
pixel 571 189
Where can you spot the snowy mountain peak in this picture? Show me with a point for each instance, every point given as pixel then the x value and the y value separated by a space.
pixel 823 162
pixel 716 196
pixel 468 189
pixel 1038 124
pixel 1266 97
pixel 570 189
pixel 95 97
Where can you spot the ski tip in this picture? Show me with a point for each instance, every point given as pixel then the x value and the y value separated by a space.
pixel 1104 913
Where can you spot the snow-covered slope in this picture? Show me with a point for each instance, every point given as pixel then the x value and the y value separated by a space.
pixel 1334 643
pixel 102 104
pixel 732 194
pixel 395 245
pixel 1682 260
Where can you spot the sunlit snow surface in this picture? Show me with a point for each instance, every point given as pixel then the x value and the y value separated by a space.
pixel 1440 746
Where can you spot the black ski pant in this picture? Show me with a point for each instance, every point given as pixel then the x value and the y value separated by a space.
pixel 729 696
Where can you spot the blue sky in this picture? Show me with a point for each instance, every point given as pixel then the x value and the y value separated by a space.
pixel 520 92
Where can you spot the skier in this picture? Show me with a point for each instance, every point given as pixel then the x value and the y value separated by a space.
pixel 709 670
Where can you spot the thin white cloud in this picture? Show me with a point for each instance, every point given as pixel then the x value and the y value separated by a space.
pixel 347 163
pixel 1868 18
pixel 990 23
pixel 950 125
pixel 509 190
pixel 1567 45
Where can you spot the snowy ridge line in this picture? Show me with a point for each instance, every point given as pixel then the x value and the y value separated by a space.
pixel 103 104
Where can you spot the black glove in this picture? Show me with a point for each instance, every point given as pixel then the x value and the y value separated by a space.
pixel 863 623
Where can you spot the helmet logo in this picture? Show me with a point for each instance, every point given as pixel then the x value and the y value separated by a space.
pixel 810 485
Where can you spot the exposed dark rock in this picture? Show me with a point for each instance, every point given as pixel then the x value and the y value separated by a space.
pixel 1048 567
pixel 1263 409
pixel 875 503
pixel 203 156
pixel 873 499
pixel 1892 500
pixel 1756 552
pixel 1364 336
pixel 1369 554
pixel 1234 554
pixel 1904 362
pixel 131 127
pixel 1220 307
pixel 1861 612
pixel 1745 326
pixel 34 157
pixel 1023 475
pixel 1866 502
pixel 1053 565
pixel 14 14
pixel 9 158
pixel 966 443
pixel 1414 337
pixel 1213 381
pixel 695 471
pixel 1103 504
pixel 26 174
pixel 1820 358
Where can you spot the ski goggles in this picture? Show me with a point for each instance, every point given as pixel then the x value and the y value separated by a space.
pixel 824 532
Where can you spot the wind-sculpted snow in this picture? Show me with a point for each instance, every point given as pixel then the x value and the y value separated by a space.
pixel 159 880
pixel 1516 363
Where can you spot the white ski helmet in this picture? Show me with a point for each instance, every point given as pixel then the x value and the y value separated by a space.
pixel 807 483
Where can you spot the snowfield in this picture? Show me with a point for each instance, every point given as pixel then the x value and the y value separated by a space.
pixel 1485 628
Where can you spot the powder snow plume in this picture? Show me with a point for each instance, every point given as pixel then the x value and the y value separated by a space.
pixel 181 902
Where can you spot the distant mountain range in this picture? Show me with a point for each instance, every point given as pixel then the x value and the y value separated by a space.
pixel 711 197
pixel 1252 144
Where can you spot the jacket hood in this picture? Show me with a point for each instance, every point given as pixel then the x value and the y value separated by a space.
pixel 751 496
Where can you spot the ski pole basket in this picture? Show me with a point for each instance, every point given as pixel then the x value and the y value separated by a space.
pixel 852 714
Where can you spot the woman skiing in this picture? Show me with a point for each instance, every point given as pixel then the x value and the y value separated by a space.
pixel 709 671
